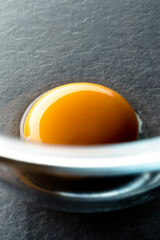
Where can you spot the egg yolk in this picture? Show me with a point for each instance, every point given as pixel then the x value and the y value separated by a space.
pixel 80 114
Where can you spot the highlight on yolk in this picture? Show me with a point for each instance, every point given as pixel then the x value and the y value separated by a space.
pixel 80 114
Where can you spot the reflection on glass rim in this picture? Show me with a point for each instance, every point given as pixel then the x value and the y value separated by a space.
pixel 115 159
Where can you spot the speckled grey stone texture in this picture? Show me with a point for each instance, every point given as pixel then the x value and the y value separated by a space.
pixel 21 220
pixel 47 43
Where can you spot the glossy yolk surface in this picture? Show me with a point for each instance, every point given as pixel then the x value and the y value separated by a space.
pixel 81 114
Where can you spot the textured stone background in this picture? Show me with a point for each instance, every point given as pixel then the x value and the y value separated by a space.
pixel 47 43
pixel 22 220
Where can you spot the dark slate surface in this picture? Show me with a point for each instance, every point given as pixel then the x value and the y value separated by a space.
pixel 22 220
pixel 46 43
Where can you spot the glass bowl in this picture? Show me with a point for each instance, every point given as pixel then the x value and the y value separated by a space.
pixel 46 44
pixel 82 179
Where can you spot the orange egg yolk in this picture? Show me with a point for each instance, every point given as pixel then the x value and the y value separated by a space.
pixel 80 114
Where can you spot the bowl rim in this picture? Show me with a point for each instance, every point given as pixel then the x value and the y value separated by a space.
pixel 100 160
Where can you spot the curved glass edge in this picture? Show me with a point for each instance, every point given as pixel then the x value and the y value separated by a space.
pixel 108 160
